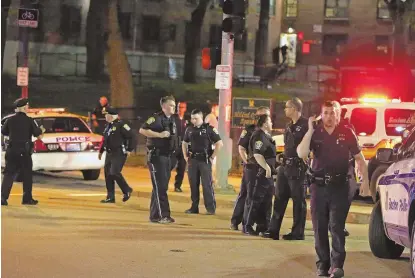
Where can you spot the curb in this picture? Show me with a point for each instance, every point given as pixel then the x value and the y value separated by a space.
pixel 352 217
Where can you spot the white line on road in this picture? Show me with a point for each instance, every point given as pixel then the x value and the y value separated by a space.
pixel 86 194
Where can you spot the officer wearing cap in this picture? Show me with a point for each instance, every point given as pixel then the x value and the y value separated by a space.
pixel 201 137
pixel 331 145
pixel 290 177
pixel 243 144
pixel 98 115
pixel 119 142
pixel 162 142
pixel 19 128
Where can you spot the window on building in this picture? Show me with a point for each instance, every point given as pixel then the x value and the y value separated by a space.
pixel 186 31
pixel 337 9
pixel 172 32
pixel 291 8
pixel 70 24
pixel 364 121
pixel 271 7
pixel 124 21
pixel 240 42
pixel 382 44
pixel 332 43
pixel 383 12
pixel 151 28
pixel 215 35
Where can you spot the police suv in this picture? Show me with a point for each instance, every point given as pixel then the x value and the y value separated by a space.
pixel 68 143
pixel 392 222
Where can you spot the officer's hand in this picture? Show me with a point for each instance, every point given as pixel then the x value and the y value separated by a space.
pixel 165 134
pixel 364 189
pixel 268 173
pixel 311 121
pixel 211 159
pixel 95 123
pixel 99 156
pixel 128 153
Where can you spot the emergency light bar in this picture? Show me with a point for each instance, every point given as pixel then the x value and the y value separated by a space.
pixel 42 110
pixel 370 100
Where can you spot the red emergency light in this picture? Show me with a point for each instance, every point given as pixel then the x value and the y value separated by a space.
pixel 300 35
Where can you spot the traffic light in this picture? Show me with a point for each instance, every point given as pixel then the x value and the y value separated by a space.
pixel 235 10
pixel 211 57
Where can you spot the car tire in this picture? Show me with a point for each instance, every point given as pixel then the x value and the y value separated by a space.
pixel 91 175
pixel 380 245
pixel 374 179
pixel 413 250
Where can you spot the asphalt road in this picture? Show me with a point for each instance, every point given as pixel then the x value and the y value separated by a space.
pixel 70 234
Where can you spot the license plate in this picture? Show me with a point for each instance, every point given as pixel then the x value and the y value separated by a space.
pixel 73 147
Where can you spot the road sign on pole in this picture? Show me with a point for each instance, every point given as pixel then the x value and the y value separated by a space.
pixel 22 76
pixel 28 18
pixel 223 77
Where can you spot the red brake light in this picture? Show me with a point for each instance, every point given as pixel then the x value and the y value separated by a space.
pixel 39 146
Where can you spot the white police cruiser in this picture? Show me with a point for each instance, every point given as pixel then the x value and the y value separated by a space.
pixel 67 145
pixel 392 222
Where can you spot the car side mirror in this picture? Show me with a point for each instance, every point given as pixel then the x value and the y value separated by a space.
pixel 384 154
pixel 396 148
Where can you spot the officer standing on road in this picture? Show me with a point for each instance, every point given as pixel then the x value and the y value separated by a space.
pixel 20 128
pixel 161 132
pixel 178 161
pixel 331 145
pixel 291 176
pixel 200 137
pixel 259 169
pixel 243 144
pixel 119 142
pixel 98 115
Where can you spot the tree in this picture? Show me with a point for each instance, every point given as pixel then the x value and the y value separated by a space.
pixel 261 39
pixel 121 82
pixel 5 6
pixel 96 26
pixel 192 41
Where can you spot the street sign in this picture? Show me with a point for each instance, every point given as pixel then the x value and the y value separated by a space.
pixel 223 77
pixel 28 18
pixel 244 110
pixel 22 76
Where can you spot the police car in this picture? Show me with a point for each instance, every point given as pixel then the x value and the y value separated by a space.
pixel 392 222
pixel 68 143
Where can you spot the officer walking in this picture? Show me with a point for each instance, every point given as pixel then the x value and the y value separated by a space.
pixel 119 142
pixel 291 176
pixel 200 137
pixel 20 128
pixel 161 132
pixel 331 145
pixel 259 169
pixel 243 144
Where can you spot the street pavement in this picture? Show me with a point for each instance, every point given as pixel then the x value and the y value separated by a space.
pixel 71 234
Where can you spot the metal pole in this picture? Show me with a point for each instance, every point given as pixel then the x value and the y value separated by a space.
pixel 135 26
pixel 224 160
pixel 24 48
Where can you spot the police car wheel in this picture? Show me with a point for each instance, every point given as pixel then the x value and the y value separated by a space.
pixel 91 175
pixel 374 180
pixel 413 250
pixel 380 245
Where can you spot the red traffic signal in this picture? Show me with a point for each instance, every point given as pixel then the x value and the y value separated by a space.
pixel 211 57
pixel 300 35
pixel 206 58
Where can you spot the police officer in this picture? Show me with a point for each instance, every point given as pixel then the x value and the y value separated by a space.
pixel 98 115
pixel 409 128
pixel 20 128
pixel 259 169
pixel 201 137
pixel 243 144
pixel 331 145
pixel 119 142
pixel 290 177
pixel 161 132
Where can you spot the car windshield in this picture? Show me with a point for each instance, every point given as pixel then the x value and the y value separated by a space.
pixel 397 120
pixel 62 124
pixel 364 121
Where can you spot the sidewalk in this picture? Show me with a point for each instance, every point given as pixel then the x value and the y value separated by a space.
pixel 139 179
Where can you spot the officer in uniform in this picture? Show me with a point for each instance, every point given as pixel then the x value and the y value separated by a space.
pixel 119 142
pixel 243 144
pixel 259 170
pixel 161 132
pixel 20 128
pixel 290 177
pixel 201 137
pixel 98 115
pixel 331 145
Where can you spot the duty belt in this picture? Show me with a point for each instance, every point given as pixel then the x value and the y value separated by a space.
pixel 328 178
pixel 291 161
pixel 159 152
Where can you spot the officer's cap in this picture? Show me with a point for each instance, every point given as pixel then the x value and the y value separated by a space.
pixel 110 111
pixel 21 102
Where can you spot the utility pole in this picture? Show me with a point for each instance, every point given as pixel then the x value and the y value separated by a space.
pixel 23 56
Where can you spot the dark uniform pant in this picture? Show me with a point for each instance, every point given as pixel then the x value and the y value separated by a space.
pixel 17 161
pixel 114 162
pixel 329 207
pixel 180 164
pixel 259 199
pixel 238 211
pixel 289 187
pixel 199 170
pixel 160 169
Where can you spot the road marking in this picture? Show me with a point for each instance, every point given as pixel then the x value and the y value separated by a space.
pixel 86 194
pixel 16 194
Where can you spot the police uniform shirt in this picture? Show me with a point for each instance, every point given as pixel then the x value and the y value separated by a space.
pixel 116 135
pixel 20 128
pixel 332 151
pixel 181 125
pixel 201 138
pixel 293 136
pixel 159 122
pixel 263 144
pixel 245 136
pixel 99 112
